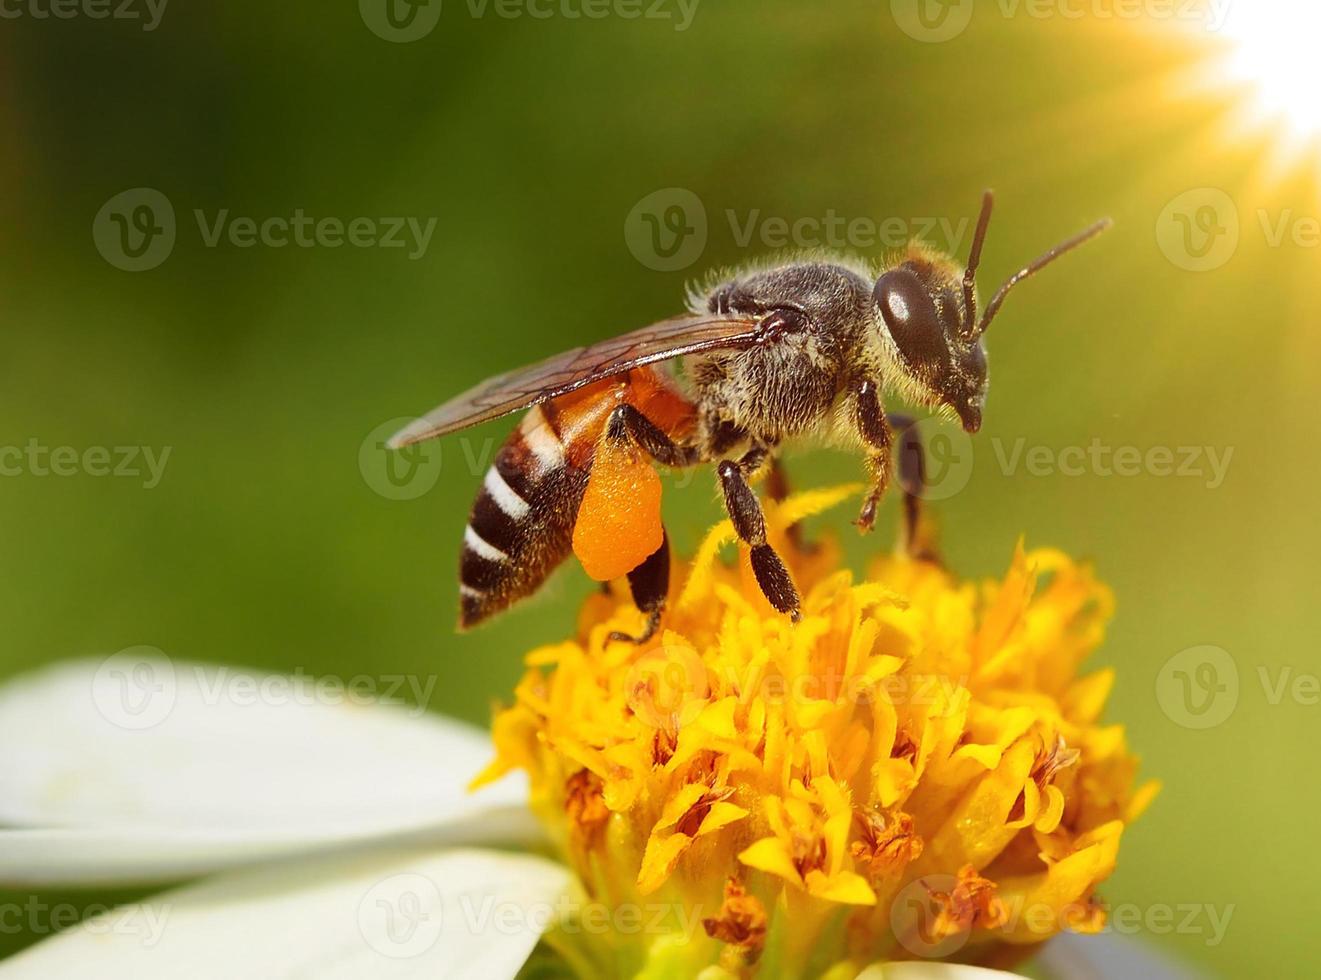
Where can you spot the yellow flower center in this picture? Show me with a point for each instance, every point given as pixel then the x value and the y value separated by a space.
pixel 915 769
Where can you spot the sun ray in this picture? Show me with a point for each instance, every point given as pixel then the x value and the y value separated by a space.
pixel 1263 65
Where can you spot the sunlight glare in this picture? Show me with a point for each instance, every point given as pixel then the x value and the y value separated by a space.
pixel 1275 49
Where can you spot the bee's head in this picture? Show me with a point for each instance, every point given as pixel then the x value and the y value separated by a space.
pixel 929 306
pixel 922 304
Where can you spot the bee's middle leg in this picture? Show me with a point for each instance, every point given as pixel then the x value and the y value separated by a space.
pixel 750 524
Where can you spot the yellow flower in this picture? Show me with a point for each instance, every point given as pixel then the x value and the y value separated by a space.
pixel 915 769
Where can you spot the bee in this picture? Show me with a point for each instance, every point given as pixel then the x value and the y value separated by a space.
pixel 800 351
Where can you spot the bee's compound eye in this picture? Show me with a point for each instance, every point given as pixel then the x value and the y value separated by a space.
pixel 911 315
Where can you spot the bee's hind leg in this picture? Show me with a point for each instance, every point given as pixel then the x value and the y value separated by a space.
pixel 627 422
pixel 650 581
pixel 650 584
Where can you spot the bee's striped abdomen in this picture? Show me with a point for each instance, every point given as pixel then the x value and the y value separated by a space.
pixel 521 525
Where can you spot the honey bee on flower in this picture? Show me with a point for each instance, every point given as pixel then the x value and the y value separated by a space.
pixel 800 351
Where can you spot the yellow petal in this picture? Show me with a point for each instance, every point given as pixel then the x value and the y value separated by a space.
pixel 720 815
pixel 702 572
pixel 809 503
pixel 1051 812
pixel 658 861
pixel 680 803
pixel 770 854
pixel 846 888
pixel 1058 895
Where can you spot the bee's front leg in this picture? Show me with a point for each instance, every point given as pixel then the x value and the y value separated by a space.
pixel 874 430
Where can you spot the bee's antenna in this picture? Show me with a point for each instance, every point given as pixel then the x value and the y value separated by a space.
pixel 993 307
pixel 974 260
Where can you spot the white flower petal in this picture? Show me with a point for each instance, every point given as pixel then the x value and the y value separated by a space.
pixel 1108 954
pixel 380 914
pixel 931 971
pixel 141 743
pixel 126 856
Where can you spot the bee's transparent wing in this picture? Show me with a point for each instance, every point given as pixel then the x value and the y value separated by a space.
pixel 528 386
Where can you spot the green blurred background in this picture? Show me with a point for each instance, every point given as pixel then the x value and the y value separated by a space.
pixel 530 141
